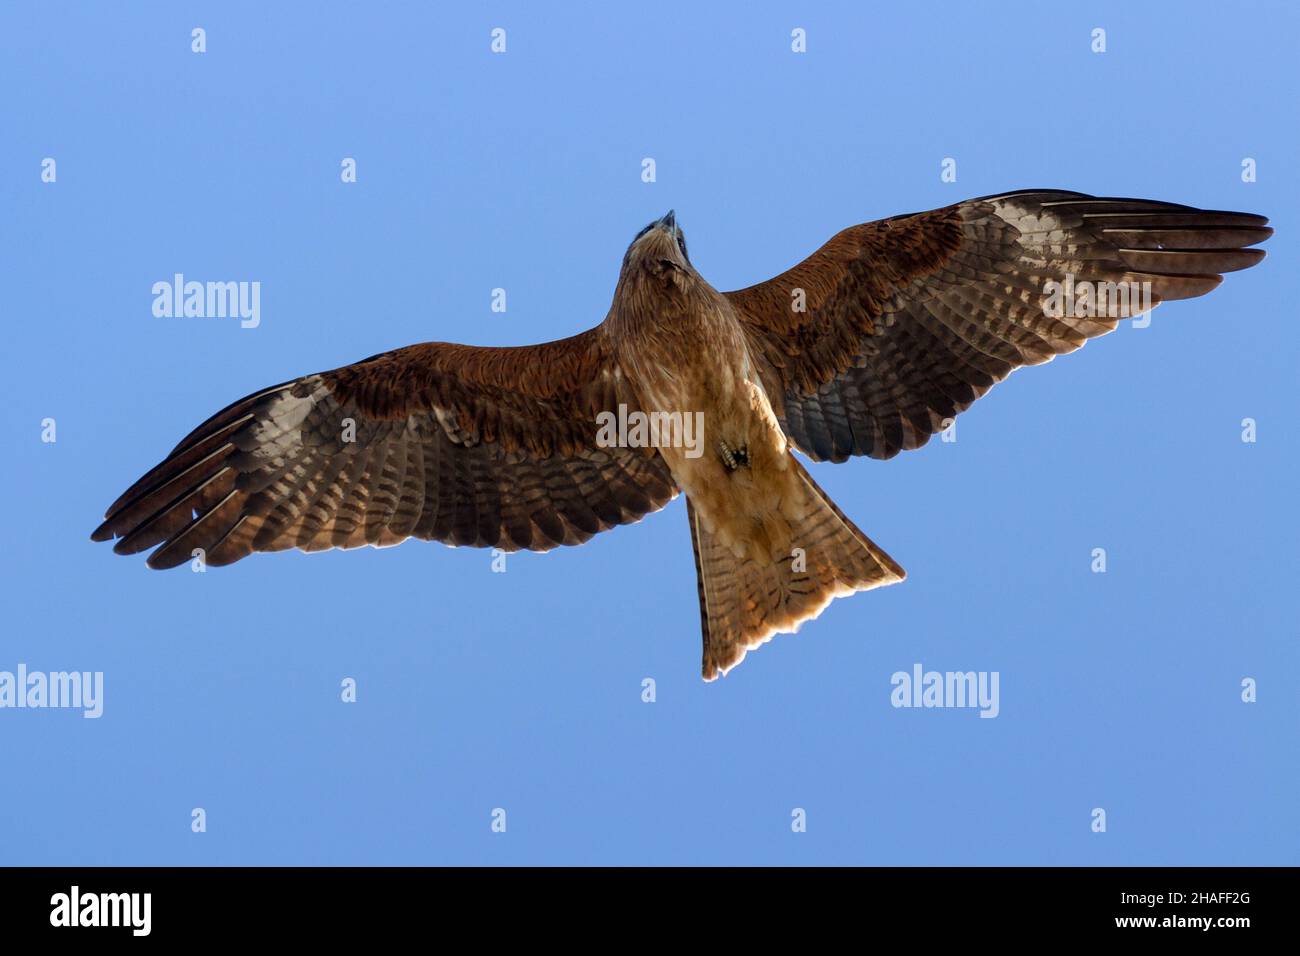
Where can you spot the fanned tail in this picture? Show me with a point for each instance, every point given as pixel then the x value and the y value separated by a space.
pixel 745 602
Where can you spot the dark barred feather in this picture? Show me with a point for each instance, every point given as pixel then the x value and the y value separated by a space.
pixel 471 446
pixel 909 320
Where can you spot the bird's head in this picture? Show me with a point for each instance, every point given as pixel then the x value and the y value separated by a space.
pixel 659 248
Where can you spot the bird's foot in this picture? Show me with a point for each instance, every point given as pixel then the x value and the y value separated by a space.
pixel 732 458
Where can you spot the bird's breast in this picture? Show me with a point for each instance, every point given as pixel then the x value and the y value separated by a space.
pixel 729 454
pixel 689 357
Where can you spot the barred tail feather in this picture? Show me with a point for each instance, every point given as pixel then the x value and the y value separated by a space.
pixel 744 602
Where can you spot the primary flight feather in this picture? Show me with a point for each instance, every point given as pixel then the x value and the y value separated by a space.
pixel 869 346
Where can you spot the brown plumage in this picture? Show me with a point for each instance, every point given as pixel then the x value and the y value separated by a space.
pixel 868 347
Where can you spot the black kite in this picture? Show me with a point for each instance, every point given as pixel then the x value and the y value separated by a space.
pixel 868 347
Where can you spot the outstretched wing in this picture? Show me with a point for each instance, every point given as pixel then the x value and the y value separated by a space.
pixel 486 447
pixel 876 340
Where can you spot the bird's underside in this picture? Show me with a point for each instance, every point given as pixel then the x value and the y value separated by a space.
pixel 867 347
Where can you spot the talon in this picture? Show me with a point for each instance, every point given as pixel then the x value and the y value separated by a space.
pixel 733 458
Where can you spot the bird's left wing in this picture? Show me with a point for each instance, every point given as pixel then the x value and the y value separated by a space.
pixel 880 337
pixel 486 447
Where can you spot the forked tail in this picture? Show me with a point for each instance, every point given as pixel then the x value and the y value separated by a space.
pixel 745 602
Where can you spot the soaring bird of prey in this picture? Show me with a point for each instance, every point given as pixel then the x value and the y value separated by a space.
pixel 867 347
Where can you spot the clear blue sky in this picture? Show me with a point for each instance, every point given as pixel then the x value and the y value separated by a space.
pixel 523 690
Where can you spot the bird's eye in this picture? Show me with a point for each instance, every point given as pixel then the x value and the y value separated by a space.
pixel 681 244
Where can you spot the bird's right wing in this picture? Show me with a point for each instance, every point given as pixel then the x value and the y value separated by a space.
pixel 881 336
pixel 484 447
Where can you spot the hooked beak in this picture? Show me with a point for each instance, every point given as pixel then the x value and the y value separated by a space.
pixel 669 223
